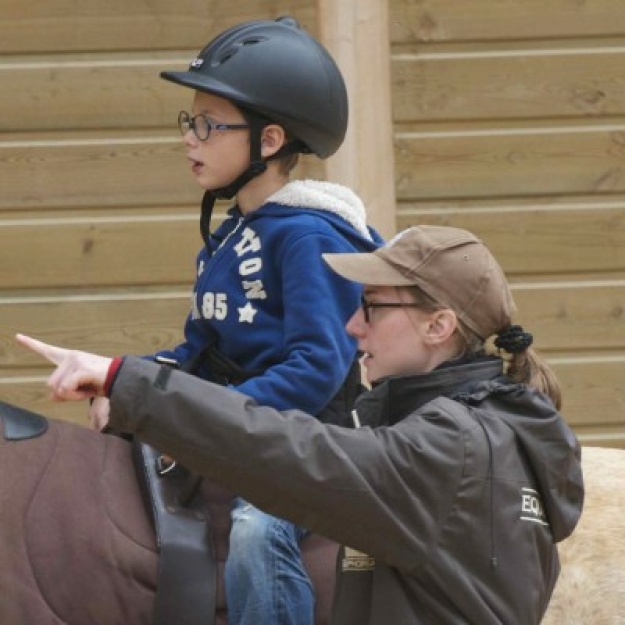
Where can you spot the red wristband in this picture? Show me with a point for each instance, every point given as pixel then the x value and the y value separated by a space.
pixel 116 363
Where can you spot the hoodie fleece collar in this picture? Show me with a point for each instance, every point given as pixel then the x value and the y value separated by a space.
pixel 324 196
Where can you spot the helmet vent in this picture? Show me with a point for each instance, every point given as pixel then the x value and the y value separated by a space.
pixel 250 41
pixel 233 49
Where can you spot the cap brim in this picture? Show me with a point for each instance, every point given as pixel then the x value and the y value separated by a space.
pixel 367 269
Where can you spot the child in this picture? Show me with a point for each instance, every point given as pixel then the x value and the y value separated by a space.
pixel 267 315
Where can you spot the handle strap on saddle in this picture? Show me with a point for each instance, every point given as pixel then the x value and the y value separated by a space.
pixel 187 573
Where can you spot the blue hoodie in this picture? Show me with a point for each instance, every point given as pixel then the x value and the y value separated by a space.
pixel 272 301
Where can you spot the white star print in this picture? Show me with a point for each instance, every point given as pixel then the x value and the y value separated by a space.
pixel 246 314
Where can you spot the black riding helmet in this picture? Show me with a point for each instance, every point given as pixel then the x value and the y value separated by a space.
pixel 277 70
pixel 274 72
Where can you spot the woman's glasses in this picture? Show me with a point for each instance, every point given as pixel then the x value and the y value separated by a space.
pixel 367 306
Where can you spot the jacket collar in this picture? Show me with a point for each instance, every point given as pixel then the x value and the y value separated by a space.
pixel 394 398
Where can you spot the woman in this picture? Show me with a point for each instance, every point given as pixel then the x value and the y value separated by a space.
pixel 450 506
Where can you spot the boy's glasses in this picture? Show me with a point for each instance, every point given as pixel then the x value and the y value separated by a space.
pixel 367 306
pixel 202 126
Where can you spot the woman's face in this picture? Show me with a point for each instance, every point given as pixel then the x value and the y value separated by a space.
pixel 220 159
pixel 395 340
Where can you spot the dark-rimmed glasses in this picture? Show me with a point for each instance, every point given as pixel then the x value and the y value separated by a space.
pixel 202 126
pixel 367 306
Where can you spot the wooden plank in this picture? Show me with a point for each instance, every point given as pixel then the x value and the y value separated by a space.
pixel 513 161
pixel 498 83
pixel 543 241
pixel 137 321
pixel 601 436
pixel 114 91
pixel 593 392
pixel 95 169
pixel 64 25
pixel 451 20
pixel 92 252
pixel 572 317
pixel 81 169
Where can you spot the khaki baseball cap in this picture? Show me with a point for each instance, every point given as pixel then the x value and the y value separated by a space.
pixel 451 265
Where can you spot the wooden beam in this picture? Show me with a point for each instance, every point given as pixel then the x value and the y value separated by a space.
pixel 356 32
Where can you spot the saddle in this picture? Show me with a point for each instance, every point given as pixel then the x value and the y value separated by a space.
pixel 21 424
pixel 186 567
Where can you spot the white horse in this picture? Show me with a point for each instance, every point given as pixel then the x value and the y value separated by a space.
pixel 591 586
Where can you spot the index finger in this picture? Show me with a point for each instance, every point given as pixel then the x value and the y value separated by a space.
pixel 50 352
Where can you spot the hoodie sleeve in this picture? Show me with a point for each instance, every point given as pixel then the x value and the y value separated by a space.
pixel 317 352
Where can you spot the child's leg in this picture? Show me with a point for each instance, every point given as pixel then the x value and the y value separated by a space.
pixel 266 583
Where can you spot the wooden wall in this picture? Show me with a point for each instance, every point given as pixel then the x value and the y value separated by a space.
pixel 509 120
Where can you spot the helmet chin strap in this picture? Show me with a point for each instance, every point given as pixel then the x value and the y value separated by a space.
pixel 257 166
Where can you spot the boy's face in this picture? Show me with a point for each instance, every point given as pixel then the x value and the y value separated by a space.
pixel 220 159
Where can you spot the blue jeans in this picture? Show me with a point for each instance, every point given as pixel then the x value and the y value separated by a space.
pixel 266 583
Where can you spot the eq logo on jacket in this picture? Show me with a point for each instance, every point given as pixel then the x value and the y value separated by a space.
pixel 532 507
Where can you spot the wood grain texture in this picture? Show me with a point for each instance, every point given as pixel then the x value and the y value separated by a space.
pixel 108 322
pixel 517 161
pixel 92 91
pixel 64 25
pixel 534 242
pixel 496 83
pixel 445 20
pixel 94 252
pixel 593 393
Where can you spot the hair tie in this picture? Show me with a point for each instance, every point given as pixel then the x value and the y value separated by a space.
pixel 513 340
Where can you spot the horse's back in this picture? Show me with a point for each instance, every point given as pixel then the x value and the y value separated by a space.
pixel 591 586
pixel 77 546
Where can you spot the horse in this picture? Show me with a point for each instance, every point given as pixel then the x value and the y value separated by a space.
pixel 79 544
pixel 591 585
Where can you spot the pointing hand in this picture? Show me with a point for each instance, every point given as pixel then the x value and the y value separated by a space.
pixel 78 375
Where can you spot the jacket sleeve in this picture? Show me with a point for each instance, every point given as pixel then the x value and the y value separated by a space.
pixel 380 491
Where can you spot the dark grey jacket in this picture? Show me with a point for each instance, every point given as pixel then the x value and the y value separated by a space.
pixel 450 506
